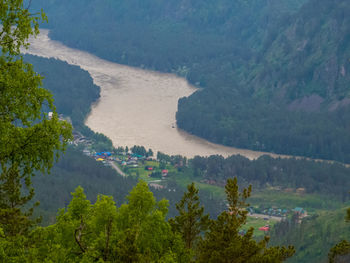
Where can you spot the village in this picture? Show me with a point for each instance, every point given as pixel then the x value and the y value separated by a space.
pixel 134 162
pixel 155 170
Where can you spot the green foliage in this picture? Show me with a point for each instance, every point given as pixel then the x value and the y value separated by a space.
pixel 29 140
pixel 72 88
pixel 342 249
pixel 270 69
pixel 223 243
pixel 62 79
pixel 134 232
pixel 17 24
pixel 316 177
pixel 313 237
pixel 140 150
pixel 191 221
pixel 339 250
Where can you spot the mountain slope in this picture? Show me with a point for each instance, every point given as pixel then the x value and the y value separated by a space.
pixel 275 73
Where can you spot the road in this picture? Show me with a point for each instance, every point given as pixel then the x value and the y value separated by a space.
pixel 115 167
pixel 276 218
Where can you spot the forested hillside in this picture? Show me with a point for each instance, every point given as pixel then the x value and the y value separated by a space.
pixel 72 88
pixel 314 237
pixel 274 72
pixel 74 169
pixel 323 178
pixel 135 229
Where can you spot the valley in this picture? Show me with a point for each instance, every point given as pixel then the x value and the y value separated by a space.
pixel 136 107
pixel 242 106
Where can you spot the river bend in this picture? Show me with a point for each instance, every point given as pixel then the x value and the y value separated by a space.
pixel 136 107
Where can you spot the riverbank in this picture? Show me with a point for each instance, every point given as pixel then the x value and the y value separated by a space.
pixel 137 107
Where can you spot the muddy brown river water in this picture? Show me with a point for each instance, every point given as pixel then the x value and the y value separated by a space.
pixel 137 107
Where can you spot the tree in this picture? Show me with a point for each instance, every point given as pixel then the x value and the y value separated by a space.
pixel 191 220
pixel 149 153
pixel 339 252
pixel 29 140
pixel 342 249
pixel 101 232
pixel 145 232
pixel 17 25
pixel 223 243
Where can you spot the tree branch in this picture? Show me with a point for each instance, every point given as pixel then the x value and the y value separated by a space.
pixel 78 237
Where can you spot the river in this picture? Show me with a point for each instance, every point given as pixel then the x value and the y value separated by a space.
pixel 136 107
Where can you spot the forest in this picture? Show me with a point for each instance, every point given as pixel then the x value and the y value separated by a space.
pixel 127 223
pixel 53 190
pixel 273 74
pixel 314 237
pixel 72 88
pixel 315 177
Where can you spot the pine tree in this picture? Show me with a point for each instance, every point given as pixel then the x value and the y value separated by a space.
pixel 342 249
pixel 191 220
pixel 223 243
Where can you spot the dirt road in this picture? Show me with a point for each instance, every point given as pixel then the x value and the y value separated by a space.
pixel 115 167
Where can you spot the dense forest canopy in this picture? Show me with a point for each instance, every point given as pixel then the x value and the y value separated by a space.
pixel 270 69
pixel 315 177
pixel 72 88
pixel 314 237
pixel 137 229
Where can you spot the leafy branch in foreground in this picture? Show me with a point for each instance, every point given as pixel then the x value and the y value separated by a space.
pixel 29 140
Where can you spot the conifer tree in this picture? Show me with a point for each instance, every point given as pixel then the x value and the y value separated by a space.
pixel 342 249
pixel 191 220
pixel 223 243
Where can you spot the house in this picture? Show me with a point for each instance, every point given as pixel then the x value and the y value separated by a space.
pixel 104 154
pixel 131 162
pixel 165 172
pixel 301 191
pixel 300 212
pixel 86 152
pixel 264 228
pixel 156 186
pixel 149 168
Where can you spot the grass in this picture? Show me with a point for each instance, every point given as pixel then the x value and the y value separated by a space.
pixel 310 202
pixel 184 180
pixel 256 223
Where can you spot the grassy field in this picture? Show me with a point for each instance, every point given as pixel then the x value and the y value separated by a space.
pixel 216 191
pixel 256 223
pixel 310 202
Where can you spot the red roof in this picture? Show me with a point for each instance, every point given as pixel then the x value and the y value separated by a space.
pixel 164 171
pixel 264 228
pixel 150 168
